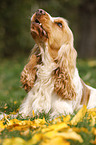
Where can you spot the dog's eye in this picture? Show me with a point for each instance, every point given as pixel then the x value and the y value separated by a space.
pixel 59 24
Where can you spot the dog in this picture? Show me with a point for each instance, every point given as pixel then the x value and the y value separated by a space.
pixel 50 77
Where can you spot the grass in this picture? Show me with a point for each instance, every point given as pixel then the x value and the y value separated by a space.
pixel 11 93
pixel 87 71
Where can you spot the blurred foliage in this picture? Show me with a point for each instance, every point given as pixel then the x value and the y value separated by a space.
pixel 15 17
pixel 14 26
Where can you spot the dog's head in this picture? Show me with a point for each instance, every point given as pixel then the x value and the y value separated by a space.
pixel 53 30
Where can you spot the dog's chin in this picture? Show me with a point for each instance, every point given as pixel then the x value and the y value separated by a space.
pixel 38 32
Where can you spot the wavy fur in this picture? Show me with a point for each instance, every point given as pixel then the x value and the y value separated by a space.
pixel 51 77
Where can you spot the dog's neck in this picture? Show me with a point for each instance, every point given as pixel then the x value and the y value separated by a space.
pixel 46 58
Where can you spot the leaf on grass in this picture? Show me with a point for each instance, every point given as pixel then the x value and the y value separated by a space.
pixel 70 135
pixel 40 121
pixel 79 116
pixel 35 139
pixel 92 120
pixel 92 116
pixel 59 127
pixel 50 134
pixel 60 119
pixel 15 124
pixel 56 141
pixel 57 132
pixel 14 141
pixel 66 119
pixel 2 126
pixel 91 110
pixel 14 121
pixel 54 128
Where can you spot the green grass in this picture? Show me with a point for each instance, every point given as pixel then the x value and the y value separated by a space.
pixel 11 93
pixel 87 71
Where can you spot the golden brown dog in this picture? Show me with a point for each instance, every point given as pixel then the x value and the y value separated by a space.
pixel 51 77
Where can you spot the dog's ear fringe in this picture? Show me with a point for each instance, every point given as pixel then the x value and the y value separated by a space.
pixel 63 75
pixel 63 84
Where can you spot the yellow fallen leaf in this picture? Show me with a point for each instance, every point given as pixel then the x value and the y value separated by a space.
pixel 92 116
pixel 60 119
pixel 55 127
pixel 91 110
pixel 2 126
pixel 61 126
pixel 92 120
pixel 40 121
pixel 15 124
pixel 14 121
pixel 14 141
pixel 56 120
pixel 58 126
pixel 35 139
pixel 70 135
pixel 79 116
pixel 66 118
pixel 56 141
pixel 50 134
pixel 18 127
pixel 46 129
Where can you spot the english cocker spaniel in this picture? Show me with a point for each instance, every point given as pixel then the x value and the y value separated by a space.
pixel 51 77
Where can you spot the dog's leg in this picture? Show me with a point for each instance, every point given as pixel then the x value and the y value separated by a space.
pixel 28 75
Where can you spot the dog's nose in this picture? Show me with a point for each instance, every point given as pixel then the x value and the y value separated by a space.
pixel 40 12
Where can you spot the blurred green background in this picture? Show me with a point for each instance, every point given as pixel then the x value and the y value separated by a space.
pixel 15 17
pixel 16 41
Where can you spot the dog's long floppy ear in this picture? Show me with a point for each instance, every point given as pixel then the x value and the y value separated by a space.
pixel 28 75
pixel 63 74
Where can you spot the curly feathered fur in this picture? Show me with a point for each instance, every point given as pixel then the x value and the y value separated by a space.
pixel 51 77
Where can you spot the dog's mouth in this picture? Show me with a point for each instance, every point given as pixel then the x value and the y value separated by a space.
pixel 37 21
pixel 37 29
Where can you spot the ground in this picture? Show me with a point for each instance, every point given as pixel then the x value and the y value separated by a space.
pixel 77 129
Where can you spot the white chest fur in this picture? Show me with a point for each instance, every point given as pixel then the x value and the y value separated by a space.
pixel 40 96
